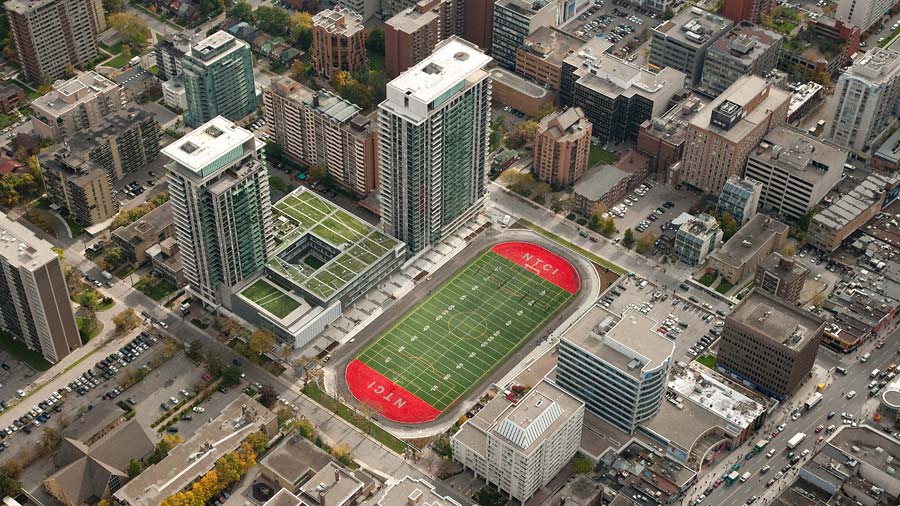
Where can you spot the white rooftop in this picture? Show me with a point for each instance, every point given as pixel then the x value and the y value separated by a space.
pixel 707 388
pixel 207 143
pixel 454 61
pixel 21 248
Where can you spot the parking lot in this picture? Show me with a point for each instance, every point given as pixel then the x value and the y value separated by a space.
pixel 619 22
pixel 643 206
pixel 664 305
pixel 14 375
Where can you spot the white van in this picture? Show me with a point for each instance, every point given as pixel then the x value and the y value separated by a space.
pixel 874 373
pixel 865 357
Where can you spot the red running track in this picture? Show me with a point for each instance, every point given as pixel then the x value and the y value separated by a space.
pixel 396 403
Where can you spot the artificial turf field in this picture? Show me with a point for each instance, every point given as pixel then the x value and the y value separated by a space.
pixel 450 341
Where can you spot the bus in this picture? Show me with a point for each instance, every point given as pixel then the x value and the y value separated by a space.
pixel 812 401
pixel 732 477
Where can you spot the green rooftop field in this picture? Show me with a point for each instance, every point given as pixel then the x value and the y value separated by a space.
pixel 273 300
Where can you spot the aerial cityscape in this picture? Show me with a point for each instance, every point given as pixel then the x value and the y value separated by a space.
pixel 450 253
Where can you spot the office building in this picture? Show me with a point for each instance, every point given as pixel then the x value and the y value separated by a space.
pixel 746 10
pixel 780 276
pixel 697 238
pixel 662 137
pixel 616 96
pixel 514 21
pixel 617 365
pixel 478 27
pixel 832 225
pixel 218 80
pixel 35 307
pixel 864 100
pixel 126 140
pixel 412 34
pixel 739 198
pixel 746 49
pixel 601 184
pixel 681 43
pixel 417 491
pixel 862 13
pixel 520 446
pixel 769 344
pixel 219 190
pixel 75 105
pixel 562 145
pixel 78 186
pixel 541 56
pixel 720 137
pixel 149 230
pixel 738 257
pixel 433 145
pixel 338 42
pixel 795 169
pixel 50 35
pixel 318 128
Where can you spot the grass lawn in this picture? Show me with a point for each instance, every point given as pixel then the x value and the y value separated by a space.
pixel 708 278
pixel 86 330
pixel 342 410
pixel 114 49
pixel 600 155
pixel 449 342
pixel 17 349
pixel 29 92
pixel 273 300
pixel 75 228
pixel 118 61
pixel 581 251
pixel 7 119
pixel 157 291
pixel 887 40
pixel 376 62
pixel 124 272
pixel 724 286
pixel 708 361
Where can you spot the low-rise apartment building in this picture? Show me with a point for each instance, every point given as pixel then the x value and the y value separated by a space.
pixel 831 226
pixel 739 198
pixel 795 169
pixel 682 42
pixel 697 239
pixel 78 186
pixel 562 145
pixel 125 141
pixel 520 446
pixel 77 104
pixel 738 257
pixel 541 55
pixel 319 128
pixel 135 238
pixel 780 276
pixel 746 49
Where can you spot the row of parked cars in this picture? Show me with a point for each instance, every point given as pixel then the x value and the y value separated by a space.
pixel 37 416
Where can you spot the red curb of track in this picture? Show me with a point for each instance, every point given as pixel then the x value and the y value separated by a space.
pixel 541 262
pixel 389 399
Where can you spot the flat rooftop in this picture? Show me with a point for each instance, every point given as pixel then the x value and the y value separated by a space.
pixel 743 92
pixel 693 26
pixel 335 484
pixel 191 459
pixel 357 245
pixel 787 269
pixel 749 239
pixel 340 20
pixel 861 444
pixel 746 42
pixel 412 19
pixel 853 203
pixel 876 66
pixel 598 180
pixel 21 248
pixel 113 125
pixel 412 491
pixel 207 143
pixel 216 46
pixel 672 125
pixel 454 61
pixel 149 224
pixel 69 94
pixel 804 156
pixel 614 77
pixel 629 342
pixel 519 83
pixel 682 423
pixel 781 322
pixel 551 44
pixel 715 393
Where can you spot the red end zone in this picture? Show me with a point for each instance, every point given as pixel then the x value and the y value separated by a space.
pixel 545 264
pixel 391 400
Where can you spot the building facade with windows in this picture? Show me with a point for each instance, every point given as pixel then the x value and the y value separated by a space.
pixel 433 145
pixel 78 104
pixel 126 141
pixel 780 276
pixel 34 297
pixel 219 187
pixel 521 446
pixel 562 146
pixel 769 344
pixel 682 42
pixel 617 365
pixel 864 100
pixel 514 21
pixel 338 42
pixel 795 169
pixel 739 198
pixel 746 49
pixel 322 129
pixel 51 35
pixel 79 186
pixel 411 35
pixel 218 80
pixel 696 239
pixel 862 13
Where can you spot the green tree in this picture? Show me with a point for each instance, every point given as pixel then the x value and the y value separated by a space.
pixel 806 219
pixel 127 320
pixel 259 441
pixel 628 238
pixel 375 41
pixel 134 468
pixel 243 11
pixel 581 464
pixel 645 243
pixel 231 376
pixel 305 428
pixel 608 227
pixel 298 71
pixel 728 225
pixel 268 396
pixel 132 29
pixel 113 6
pixel 194 350
pixel 9 478
pixel 272 20
pixel 261 341
pixel 214 362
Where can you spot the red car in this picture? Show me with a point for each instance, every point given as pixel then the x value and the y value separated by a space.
pixel 879 344
pixel 775 434
pixel 717 483
pixel 820 440
pixel 820 428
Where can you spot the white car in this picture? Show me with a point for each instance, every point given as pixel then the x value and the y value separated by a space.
pixel 173 400
pixel 851 394
pixel 198 409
